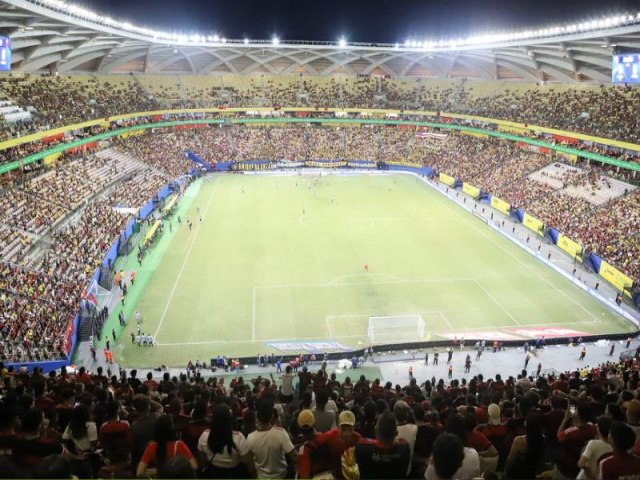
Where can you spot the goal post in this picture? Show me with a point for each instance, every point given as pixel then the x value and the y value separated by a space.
pixel 396 329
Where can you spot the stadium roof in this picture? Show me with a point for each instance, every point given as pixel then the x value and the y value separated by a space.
pixel 49 35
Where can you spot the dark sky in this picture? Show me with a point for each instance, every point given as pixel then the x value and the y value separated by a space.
pixel 358 20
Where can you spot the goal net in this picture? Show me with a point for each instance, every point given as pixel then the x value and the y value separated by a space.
pixel 396 329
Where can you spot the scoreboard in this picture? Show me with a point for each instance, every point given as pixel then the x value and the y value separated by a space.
pixel 5 54
pixel 626 68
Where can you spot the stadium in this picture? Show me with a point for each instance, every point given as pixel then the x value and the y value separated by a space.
pixel 231 214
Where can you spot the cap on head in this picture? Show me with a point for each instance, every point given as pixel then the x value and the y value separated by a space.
pixel 306 419
pixel 347 418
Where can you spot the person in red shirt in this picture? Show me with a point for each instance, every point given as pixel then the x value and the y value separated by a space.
pixel 83 376
pixel 328 447
pixel 476 439
pixel 573 434
pixel 621 463
pixel 151 384
pixel 115 436
pixel 163 447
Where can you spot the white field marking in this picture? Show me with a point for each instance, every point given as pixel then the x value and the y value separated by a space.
pixel 326 320
pixel 337 280
pixel 371 221
pixel 184 264
pixel 497 302
pixel 429 280
pixel 531 269
pixel 446 320
pixel 260 340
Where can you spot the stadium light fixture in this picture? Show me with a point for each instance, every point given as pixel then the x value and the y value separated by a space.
pixel 342 42
pixel 613 21
pixel 246 41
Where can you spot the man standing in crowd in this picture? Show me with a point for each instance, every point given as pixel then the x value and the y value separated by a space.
pixel 328 448
pixel 384 457
pixel 270 446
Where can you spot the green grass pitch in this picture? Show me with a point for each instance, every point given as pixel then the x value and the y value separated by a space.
pixel 280 258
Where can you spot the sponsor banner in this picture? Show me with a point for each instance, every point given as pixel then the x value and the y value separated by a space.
pixel 53 138
pixel 474 134
pixel 68 334
pixel 49 159
pixel 513 129
pixel 615 277
pixel 325 164
pixel 533 223
pixel 569 156
pixel 564 139
pixel 500 205
pixel 447 180
pixel 310 347
pixel 470 190
pixel 546 332
pixel 480 335
pixel 434 135
pixel 572 248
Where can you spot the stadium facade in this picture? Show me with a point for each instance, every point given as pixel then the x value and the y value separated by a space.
pixel 51 36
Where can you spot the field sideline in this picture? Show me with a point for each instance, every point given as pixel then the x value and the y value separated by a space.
pixel 281 259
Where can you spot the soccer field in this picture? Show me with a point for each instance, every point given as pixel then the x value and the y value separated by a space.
pixel 280 259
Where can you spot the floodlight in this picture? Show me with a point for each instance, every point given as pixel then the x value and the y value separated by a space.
pixel 246 41
pixel 342 42
pixel 216 38
pixel 275 40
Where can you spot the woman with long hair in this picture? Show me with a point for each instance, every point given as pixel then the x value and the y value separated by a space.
pixel 163 447
pixel 526 458
pixel 81 439
pixel 223 451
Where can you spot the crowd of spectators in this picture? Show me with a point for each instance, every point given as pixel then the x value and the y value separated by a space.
pixel 503 168
pixel 62 100
pixel 577 424
pixel 35 309
pixel 37 306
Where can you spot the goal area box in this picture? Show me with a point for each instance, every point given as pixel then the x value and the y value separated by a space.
pixel 391 329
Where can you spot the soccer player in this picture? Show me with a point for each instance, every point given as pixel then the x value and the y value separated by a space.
pixel 138 317
pixel 138 339
pixel 150 340
pixel 366 267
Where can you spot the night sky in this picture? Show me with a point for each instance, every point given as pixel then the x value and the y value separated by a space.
pixel 386 21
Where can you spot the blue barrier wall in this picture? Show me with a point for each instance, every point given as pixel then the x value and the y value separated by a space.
pixel 128 230
pixel 145 211
pixel 593 261
pixel 554 235
pixel 112 253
